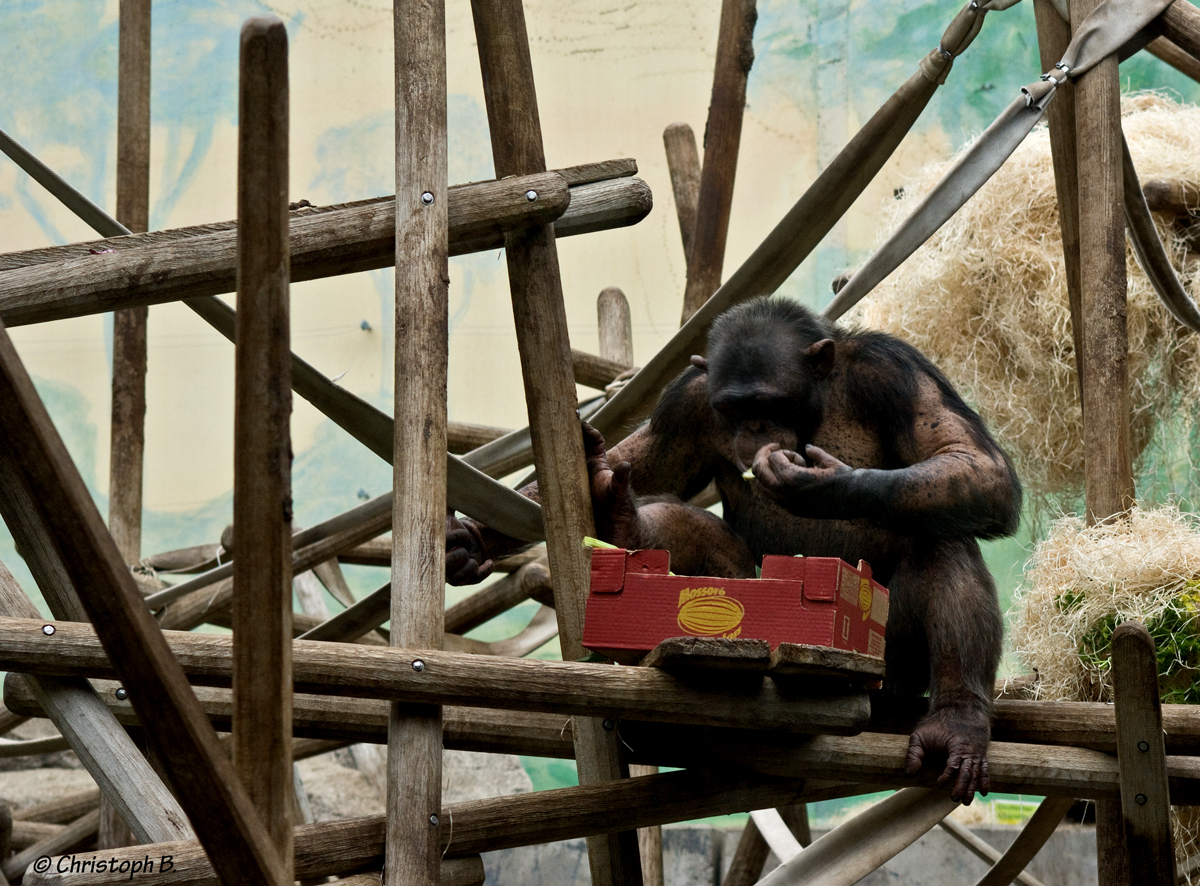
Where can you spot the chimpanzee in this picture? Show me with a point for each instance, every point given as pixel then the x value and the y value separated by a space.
pixel 860 449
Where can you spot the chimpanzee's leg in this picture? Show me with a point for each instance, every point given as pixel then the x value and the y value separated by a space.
pixel 944 632
pixel 701 543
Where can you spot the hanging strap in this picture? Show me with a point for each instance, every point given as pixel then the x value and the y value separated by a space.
pixel 1148 248
pixel 808 221
pixel 1107 29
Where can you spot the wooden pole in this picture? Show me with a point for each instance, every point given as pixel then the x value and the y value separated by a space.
pixel 414 848
pixel 683 162
pixel 544 345
pixel 722 137
pixel 262 495
pixel 1145 796
pixel 1054 35
pixel 616 326
pixel 1033 837
pixel 1109 479
pixel 128 433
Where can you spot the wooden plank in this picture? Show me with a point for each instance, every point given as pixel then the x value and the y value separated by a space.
pixel 650 848
pixel 62 810
pixel 262 467
pixel 455 872
pixel 175 726
pixel 615 325
pixel 683 162
pixel 544 346
pixel 414 763
pixel 1054 35
pixel 23 834
pixel 1166 51
pixel 1145 796
pixel 570 688
pixel 1172 196
pixel 342 241
pixel 499 823
pixel 1033 837
pixel 684 654
pixel 796 659
pixel 1180 23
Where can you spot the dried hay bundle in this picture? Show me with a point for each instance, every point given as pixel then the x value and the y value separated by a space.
pixel 1084 581
pixel 986 300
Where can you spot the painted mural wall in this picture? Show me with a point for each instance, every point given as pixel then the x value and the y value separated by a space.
pixel 611 75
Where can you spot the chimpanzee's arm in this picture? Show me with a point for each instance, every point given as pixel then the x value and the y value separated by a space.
pixel 953 480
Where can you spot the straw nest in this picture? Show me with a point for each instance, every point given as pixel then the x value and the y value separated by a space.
pixel 1084 581
pixel 986 300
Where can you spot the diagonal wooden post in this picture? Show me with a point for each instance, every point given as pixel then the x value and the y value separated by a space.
pixel 722 137
pixel 1141 756
pixel 262 494
pixel 176 727
pixel 545 348
pixel 419 446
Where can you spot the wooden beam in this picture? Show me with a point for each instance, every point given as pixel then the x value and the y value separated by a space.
pixel 615 325
pixel 749 858
pixel 570 688
pixel 1141 755
pixel 462 437
pixel 498 597
pixel 1166 51
pixel 176 727
pixel 70 837
pixel 1180 23
pixel 262 465
pixel 983 850
pixel 414 763
pixel 545 349
pixel 129 326
pixel 147 269
pixel 1054 35
pixel 1033 837
pixel 722 137
pixel 683 162
pixel 500 823
pixel 594 371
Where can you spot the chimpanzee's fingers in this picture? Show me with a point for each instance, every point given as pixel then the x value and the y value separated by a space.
pixel 985 780
pixel 915 756
pixel 593 441
pixel 620 476
pixel 964 785
pixel 820 458
pixel 458 538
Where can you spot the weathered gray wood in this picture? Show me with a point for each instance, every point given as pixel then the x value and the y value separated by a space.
pixel 452 678
pixel 262 464
pixel 64 809
pixel 1172 196
pixel 1166 51
pixel 797 659
pixel 414 763
pixel 594 371
pixel 1033 837
pixel 455 872
pixel 615 325
pixel 175 726
pixel 777 834
pixel 500 823
pixel 683 162
pixel 461 437
pixel 1180 23
pixel 70 837
pixel 1145 795
pixel 1054 35
pixel 104 748
pixel 684 654
pixel 1109 466
pixel 326 244
pixel 722 137
pixel 25 833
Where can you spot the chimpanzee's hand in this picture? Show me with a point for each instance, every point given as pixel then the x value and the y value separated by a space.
pixel 465 562
pixel 958 736
pixel 612 502
pixel 796 485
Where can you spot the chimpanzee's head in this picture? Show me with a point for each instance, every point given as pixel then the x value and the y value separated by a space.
pixel 767 363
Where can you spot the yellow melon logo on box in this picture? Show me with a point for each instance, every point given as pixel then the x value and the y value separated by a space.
pixel 707 612
pixel 865 597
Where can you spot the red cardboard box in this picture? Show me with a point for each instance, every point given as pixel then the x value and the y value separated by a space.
pixel 635 604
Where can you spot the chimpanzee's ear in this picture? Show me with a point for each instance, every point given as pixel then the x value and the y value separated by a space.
pixel 699 362
pixel 820 358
